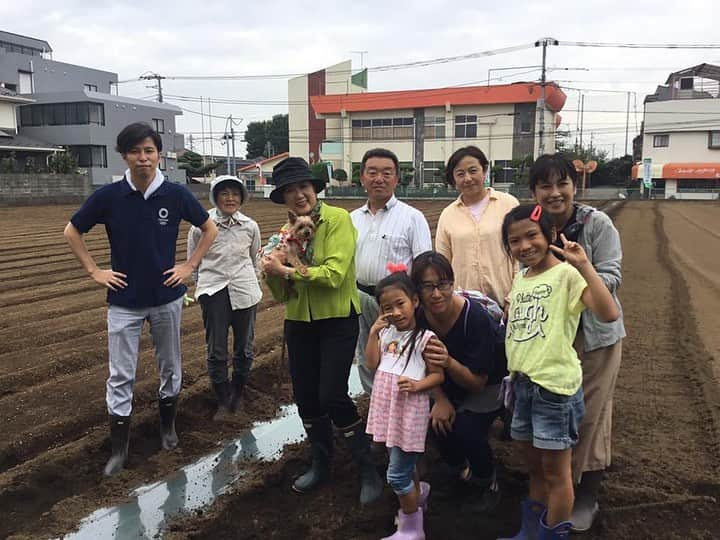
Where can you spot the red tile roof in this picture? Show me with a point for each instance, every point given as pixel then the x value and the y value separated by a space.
pixel 439 97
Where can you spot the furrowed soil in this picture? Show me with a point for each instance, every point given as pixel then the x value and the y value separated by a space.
pixel 664 482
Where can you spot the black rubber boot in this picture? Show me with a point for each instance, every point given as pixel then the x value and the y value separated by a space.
pixel 119 440
pixel 238 385
pixel 319 432
pixel 168 410
pixel 222 392
pixel 371 485
pixel 586 507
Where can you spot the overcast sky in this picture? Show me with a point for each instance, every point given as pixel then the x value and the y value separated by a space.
pixel 280 37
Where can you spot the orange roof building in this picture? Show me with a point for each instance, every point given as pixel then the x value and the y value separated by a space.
pixel 424 127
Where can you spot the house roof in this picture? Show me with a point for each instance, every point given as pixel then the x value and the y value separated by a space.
pixel 439 97
pixel 12 97
pixel 25 41
pixel 706 71
pixel 23 142
pixel 276 157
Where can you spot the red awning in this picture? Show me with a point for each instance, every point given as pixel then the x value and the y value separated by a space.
pixel 681 171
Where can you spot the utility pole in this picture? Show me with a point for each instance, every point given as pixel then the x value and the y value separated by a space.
pixel 212 149
pixel 202 129
pixel 544 42
pixel 232 139
pixel 227 151
pixel 158 79
pixel 192 147
pixel 582 115
pixel 627 123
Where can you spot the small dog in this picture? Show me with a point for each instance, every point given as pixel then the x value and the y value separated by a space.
pixel 292 245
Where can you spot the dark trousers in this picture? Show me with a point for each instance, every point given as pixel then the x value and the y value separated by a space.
pixel 320 355
pixel 468 441
pixel 218 318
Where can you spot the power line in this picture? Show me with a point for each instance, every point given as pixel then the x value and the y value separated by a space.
pixel 388 67
pixel 641 45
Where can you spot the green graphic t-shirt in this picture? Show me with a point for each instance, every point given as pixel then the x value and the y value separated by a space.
pixel 542 323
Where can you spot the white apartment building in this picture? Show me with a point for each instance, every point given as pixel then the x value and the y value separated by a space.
pixel 681 133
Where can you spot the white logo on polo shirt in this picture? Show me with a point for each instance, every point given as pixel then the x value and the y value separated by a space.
pixel 163 216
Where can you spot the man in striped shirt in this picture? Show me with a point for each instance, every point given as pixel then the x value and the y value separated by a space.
pixel 389 231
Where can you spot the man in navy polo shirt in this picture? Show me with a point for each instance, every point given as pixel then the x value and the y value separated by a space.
pixel 141 214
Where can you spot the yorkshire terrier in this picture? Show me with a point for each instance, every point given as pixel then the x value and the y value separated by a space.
pixel 292 244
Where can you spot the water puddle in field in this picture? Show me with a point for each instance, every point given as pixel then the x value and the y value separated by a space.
pixel 197 485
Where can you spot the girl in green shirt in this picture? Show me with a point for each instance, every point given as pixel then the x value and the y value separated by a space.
pixel 546 300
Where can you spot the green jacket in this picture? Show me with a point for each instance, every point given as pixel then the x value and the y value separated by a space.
pixel 329 288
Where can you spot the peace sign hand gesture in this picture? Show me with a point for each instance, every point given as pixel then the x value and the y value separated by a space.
pixel 572 252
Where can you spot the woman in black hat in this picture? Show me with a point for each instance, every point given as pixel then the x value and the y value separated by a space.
pixel 321 327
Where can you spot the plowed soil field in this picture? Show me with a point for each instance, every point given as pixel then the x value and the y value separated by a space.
pixel 664 483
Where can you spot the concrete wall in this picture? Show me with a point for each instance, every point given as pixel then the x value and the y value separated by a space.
pixel 51 76
pixel 19 189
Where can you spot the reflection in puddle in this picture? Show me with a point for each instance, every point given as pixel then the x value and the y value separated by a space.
pixel 198 484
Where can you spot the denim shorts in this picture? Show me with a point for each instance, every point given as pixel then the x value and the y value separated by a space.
pixel 401 470
pixel 549 420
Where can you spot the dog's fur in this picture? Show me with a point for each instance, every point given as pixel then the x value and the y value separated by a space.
pixel 294 239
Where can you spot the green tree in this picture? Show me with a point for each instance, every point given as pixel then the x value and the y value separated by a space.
pixel 62 163
pixel 268 137
pixel 192 163
pixel 319 170
pixel 340 175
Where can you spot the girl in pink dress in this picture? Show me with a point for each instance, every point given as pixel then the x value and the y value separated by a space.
pixel 400 402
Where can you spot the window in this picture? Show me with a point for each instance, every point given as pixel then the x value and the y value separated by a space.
pixel 661 141
pixel 402 128
pixel 434 127
pixel 361 129
pixel 159 125
pixel 163 163
pixel 90 87
pixel 90 156
pixel 525 128
pixel 11 47
pixel 686 83
pixel 433 172
pixel 466 126
pixel 714 139
pixel 62 114
pixel 382 129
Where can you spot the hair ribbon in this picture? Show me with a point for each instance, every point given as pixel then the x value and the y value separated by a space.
pixel 396 267
pixel 536 213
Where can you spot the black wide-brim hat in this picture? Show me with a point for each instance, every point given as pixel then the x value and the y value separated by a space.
pixel 292 170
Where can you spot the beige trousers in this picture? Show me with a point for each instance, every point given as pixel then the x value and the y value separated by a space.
pixel 600 371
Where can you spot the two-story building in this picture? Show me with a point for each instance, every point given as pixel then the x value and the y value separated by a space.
pixel 334 119
pixel 681 133
pixel 73 106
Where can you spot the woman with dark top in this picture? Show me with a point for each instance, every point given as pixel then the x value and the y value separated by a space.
pixel 470 351
pixel 321 327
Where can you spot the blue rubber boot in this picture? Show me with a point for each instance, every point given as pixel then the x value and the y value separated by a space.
pixel 531 514
pixel 561 531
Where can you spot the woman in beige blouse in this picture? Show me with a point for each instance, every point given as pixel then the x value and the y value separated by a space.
pixel 468 232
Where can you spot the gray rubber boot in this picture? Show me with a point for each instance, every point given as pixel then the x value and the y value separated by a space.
pixel 238 385
pixel 586 507
pixel 319 432
pixel 222 392
pixel 168 410
pixel 371 485
pixel 119 441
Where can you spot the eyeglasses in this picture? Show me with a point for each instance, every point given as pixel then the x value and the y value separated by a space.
pixel 373 174
pixel 442 286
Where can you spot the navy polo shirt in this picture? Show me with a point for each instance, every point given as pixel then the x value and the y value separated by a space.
pixel 472 342
pixel 142 234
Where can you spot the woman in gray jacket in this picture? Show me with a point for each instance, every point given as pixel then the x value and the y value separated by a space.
pixel 553 183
